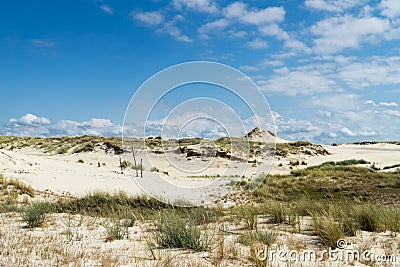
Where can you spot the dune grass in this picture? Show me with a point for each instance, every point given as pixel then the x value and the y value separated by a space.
pixel 332 182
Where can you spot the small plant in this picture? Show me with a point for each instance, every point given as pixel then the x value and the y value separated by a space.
pixel 173 231
pixel 154 169
pixel 248 214
pixel 264 237
pixel 138 167
pixel 35 214
pixel 125 164
pixel 278 212
pixel 117 231
pixel 81 161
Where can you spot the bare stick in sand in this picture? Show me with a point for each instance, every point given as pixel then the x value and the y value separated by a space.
pixel 120 164
pixel 134 161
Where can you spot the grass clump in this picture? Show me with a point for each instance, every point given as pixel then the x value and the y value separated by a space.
pixel 368 218
pixel 248 214
pixel 264 237
pixel 117 231
pixel 174 231
pixel 35 214
pixel 154 169
pixel 105 204
pixel 277 212
pixel 348 162
pixel 328 230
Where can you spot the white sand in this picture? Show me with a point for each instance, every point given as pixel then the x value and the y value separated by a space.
pixel 63 173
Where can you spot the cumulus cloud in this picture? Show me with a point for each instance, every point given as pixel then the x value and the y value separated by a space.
pixel 207 6
pixel 255 16
pixel 337 33
pixel 297 82
pixel 390 8
pixel 30 120
pixel 212 27
pixel 376 71
pixel 171 28
pixel 257 43
pixel 32 125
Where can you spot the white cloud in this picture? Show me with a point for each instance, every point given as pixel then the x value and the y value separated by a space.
pixel 347 131
pixel 43 42
pixel 368 132
pixel 376 71
pixel 257 43
pixel 255 16
pixel 248 68
pixel 198 5
pixel 289 42
pixel 151 18
pixel 30 120
pixel 333 5
pixel 382 104
pixel 32 125
pixel 171 28
pixel 298 82
pixel 390 8
pixel 107 9
pixel 336 102
pixel 213 26
pixel 340 32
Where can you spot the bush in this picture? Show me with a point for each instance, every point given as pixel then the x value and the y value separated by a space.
pixel 81 161
pixel 173 231
pixel 35 214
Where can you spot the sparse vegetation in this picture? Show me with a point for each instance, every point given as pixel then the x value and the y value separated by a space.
pixel 267 237
pixel 173 231
pixel 328 230
pixel 35 214
pixel 117 231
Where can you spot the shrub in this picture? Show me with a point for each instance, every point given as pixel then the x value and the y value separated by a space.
pixel 81 161
pixel 35 214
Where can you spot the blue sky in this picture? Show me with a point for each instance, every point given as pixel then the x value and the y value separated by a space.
pixel 330 69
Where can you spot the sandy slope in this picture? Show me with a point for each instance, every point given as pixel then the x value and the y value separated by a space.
pixel 63 173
